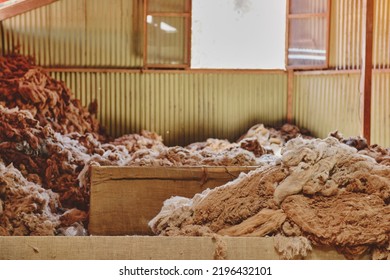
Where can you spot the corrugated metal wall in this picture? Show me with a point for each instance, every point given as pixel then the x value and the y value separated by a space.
pixel 380 112
pixel 192 106
pixel 380 107
pixel 324 103
pixel 381 47
pixel 87 33
pixel 183 108
pixel 346 34
pixel 329 94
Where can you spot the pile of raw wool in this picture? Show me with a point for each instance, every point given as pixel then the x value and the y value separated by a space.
pixel 28 209
pixel 27 86
pixel 323 193
pixel 43 156
pixel 227 154
pixel 55 160
pixel 380 154
pixel 274 138
pixel 25 207
pixel 61 163
pixel 148 149
pixel 53 141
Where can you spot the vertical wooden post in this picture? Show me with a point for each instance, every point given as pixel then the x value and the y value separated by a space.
pixel 188 33
pixel 367 69
pixel 145 47
pixel 290 91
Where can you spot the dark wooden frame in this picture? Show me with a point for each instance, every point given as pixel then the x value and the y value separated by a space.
pixel 305 16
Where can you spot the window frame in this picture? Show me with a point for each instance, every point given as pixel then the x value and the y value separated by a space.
pixel 290 16
pixel 187 16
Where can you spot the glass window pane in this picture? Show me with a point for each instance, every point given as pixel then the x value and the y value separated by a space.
pixel 167 40
pixel 308 6
pixel 307 42
pixel 176 6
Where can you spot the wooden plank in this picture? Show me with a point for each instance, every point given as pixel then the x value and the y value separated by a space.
pixel 22 7
pixel 189 34
pixel 169 14
pixel 328 18
pixel 367 70
pixel 307 67
pixel 287 34
pixel 307 15
pixel 162 65
pixel 125 199
pixel 181 71
pixel 328 72
pixel 145 35
pixel 144 248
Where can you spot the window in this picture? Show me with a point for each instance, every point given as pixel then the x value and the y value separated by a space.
pixel 308 34
pixel 238 34
pixel 214 34
pixel 167 27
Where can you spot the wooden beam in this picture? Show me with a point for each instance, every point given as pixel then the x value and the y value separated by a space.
pixel 367 70
pixel 167 70
pixel 145 37
pixel 311 15
pixel 166 14
pixel 328 18
pixel 287 34
pixel 328 72
pixel 146 248
pixel 189 34
pixel 22 6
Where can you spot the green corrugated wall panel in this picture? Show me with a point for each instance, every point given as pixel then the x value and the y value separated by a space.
pixel 94 33
pixel 325 103
pixel 380 112
pixel 183 108
pixel 87 33
pixel 29 31
pixel 110 34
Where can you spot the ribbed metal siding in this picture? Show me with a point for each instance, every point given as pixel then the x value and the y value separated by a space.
pixel 346 34
pixel 380 116
pixel 183 108
pixel 104 33
pixel 324 103
pixel 89 33
pixel 381 47
pixel 29 31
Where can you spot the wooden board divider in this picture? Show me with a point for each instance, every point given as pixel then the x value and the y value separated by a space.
pixel 125 199
pixel 144 248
